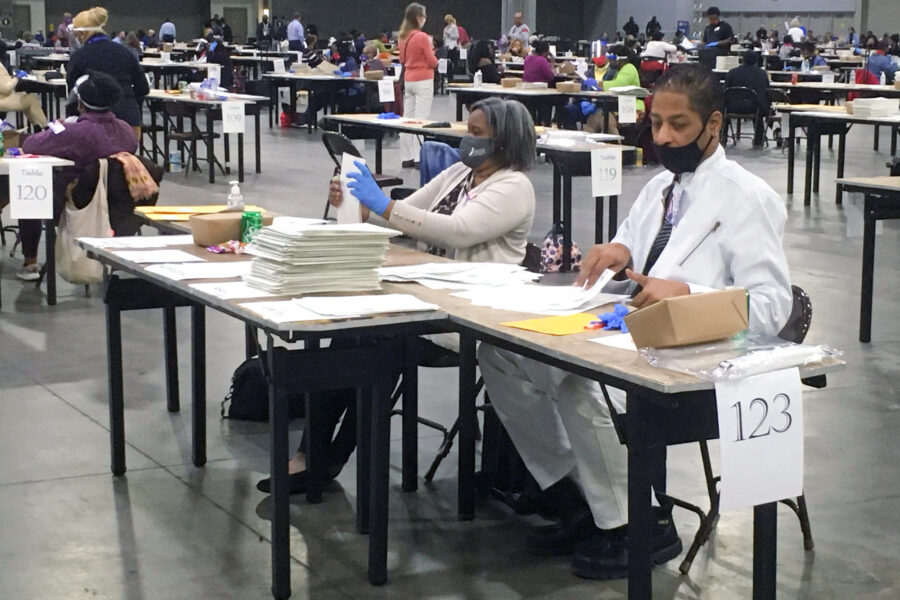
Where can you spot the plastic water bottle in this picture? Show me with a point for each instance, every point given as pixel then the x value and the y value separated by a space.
pixel 882 80
pixel 852 77
pixel 235 198
pixel 477 79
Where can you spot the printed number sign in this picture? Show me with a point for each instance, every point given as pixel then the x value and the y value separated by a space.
pixel 233 117
pixel 386 90
pixel 442 66
pixel 627 109
pixel 606 171
pixel 827 77
pixel 30 189
pixel 165 57
pixel 463 54
pixel 278 65
pixel 761 438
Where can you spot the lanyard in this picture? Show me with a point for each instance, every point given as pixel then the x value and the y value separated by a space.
pixel 98 38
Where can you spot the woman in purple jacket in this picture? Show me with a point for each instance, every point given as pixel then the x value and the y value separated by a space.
pixel 97 133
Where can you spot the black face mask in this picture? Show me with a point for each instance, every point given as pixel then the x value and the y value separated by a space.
pixel 473 151
pixel 682 159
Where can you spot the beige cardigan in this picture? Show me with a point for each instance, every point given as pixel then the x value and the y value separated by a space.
pixel 492 225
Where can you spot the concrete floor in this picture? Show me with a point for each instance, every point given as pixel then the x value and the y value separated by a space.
pixel 171 531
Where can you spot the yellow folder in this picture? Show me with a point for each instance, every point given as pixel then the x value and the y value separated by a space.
pixel 565 325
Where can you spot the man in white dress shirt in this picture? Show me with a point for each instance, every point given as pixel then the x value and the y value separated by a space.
pixel 703 223
pixel 519 30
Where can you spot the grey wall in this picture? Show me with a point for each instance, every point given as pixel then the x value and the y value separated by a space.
pixel 561 18
pixel 882 16
pixel 481 18
pixel 599 16
pixel 188 15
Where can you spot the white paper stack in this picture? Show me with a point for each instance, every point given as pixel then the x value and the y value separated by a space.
pixel 543 300
pixel 875 107
pixel 299 258
pixel 459 275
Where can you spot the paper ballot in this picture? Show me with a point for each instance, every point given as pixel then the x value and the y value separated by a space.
pixel 348 211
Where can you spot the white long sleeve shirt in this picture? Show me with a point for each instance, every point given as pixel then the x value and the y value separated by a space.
pixel 744 251
pixel 661 50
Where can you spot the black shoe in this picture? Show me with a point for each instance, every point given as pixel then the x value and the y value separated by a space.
pixel 561 538
pixel 605 556
pixel 408 164
pixel 299 482
pixel 575 524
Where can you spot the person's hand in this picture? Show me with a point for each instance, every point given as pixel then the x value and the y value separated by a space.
pixel 655 289
pixel 591 83
pixel 335 196
pixel 363 187
pixel 599 258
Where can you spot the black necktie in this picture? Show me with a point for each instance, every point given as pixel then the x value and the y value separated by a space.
pixel 664 233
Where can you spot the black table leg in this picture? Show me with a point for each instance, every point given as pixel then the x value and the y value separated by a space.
pixel 557 196
pixel 153 135
pixel 842 148
pixel 877 131
pixel 613 217
pixel 363 457
pixel 640 479
pixel 278 468
pixel 226 144
pixel 790 161
pixel 894 140
pixel 50 250
pixel 459 107
pixel 567 223
pixel 210 149
pixel 598 219
pixel 765 521
pixel 468 423
pixel 817 159
pixel 170 345
pixel 198 384
pixel 256 140
pixel 378 144
pixel 116 387
pixel 410 414
pixel 241 157
pixel 868 271
pixel 380 476
pixel 250 341
pixel 810 151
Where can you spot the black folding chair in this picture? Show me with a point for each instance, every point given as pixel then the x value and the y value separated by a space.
pixel 176 113
pixel 262 87
pixel 795 330
pixel 741 104
pixel 337 144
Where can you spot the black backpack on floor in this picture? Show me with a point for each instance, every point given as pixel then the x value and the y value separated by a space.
pixel 248 397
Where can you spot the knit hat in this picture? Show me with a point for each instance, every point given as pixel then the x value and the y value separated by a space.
pixel 98 91
pixel 93 19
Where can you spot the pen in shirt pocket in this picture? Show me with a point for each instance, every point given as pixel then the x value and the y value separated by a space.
pixel 700 243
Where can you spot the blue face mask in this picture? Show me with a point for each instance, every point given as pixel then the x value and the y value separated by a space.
pixel 474 151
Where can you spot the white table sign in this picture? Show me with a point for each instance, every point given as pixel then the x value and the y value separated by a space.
pixel 278 65
pixel 386 90
pixel 606 171
pixel 785 124
pixel 761 438
pixel 233 117
pixel 828 78
pixel 552 50
pixel 627 109
pixel 442 66
pixel 463 53
pixel 398 69
pixel 165 57
pixel 30 189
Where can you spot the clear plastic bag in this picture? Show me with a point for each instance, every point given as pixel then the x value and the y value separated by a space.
pixel 737 357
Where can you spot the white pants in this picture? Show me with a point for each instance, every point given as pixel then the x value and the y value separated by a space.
pixel 417 97
pixel 560 423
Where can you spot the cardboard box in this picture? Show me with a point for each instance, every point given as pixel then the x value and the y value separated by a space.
pixel 11 138
pixel 692 319
pixel 566 68
pixel 376 75
pixel 568 87
pixel 510 82
pixel 216 228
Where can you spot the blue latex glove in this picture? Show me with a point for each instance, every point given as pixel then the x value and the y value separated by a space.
pixel 712 44
pixel 614 319
pixel 213 46
pixel 21 74
pixel 387 115
pixel 590 83
pixel 363 187
pixel 588 108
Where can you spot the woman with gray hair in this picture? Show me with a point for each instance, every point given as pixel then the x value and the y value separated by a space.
pixel 480 209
